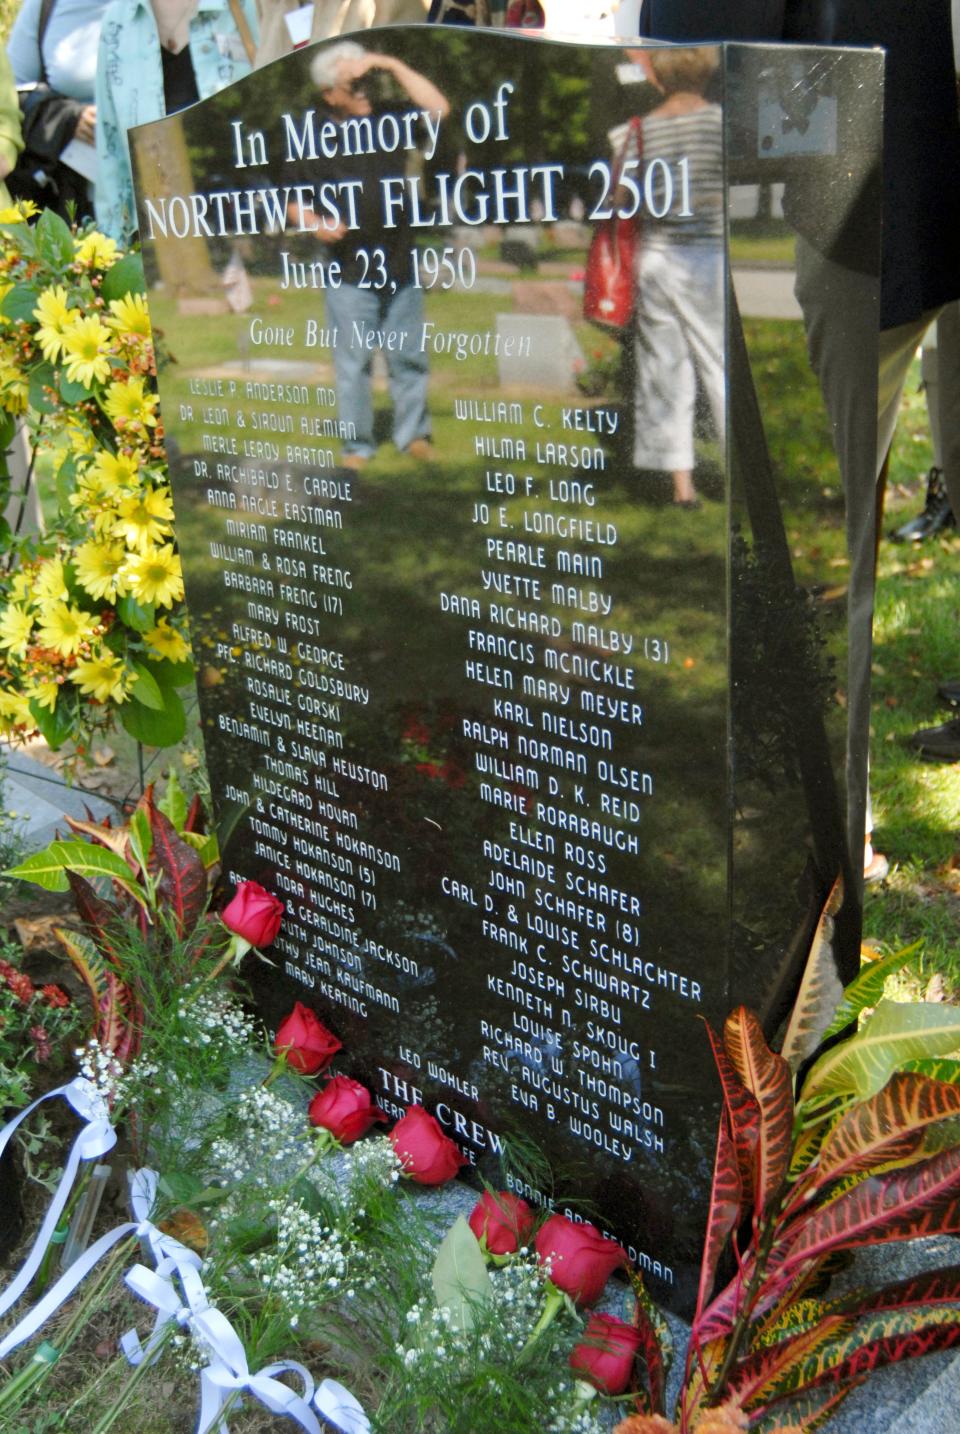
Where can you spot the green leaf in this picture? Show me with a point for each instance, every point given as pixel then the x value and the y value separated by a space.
pixel 945 1070
pixel 124 277
pixel 895 1033
pixel 180 1186
pixel 172 674
pixel 48 868
pixel 66 484
pixel 141 837
pixel 20 303
pixel 146 689
pixel 206 845
pixel 155 729
pixel 867 989
pixel 461 1280
pixel 58 726
pixel 41 378
pixel 55 241
pixel 821 990
pixel 135 615
pixel 174 803
pixel 71 391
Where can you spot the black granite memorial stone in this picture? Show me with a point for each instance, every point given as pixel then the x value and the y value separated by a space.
pixel 547 767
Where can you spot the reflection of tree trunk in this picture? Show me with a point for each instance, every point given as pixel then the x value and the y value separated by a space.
pixel 163 168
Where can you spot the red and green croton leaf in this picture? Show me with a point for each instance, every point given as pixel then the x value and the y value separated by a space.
pixel 724 1212
pixel 118 1017
pixel 767 1077
pixel 890 1128
pixel 769 1372
pixel 933 1287
pixel 804 1412
pixel 741 1113
pixel 888 1338
pixel 924 1199
pixel 182 885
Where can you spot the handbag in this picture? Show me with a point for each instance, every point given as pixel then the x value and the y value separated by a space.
pixel 48 121
pixel 610 276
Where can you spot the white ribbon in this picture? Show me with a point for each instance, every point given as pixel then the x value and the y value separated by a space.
pixel 338 1407
pixel 227 1372
pixel 95 1139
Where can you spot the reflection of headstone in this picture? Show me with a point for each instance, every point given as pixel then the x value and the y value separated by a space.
pixel 537 761
pixel 554 358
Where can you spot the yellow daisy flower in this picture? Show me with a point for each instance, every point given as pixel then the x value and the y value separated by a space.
pixel 119 471
pixel 17 213
pixel 56 320
pixel 50 584
pixel 96 250
pixel 15 710
pixel 84 351
pixel 104 678
pixel 16 627
pixel 98 567
pixel 144 518
pixel 165 641
pixel 130 315
pixel 130 403
pixel 65 629
pixel 155 576
pixel 14 387
pixel 45 694
pixel 21 586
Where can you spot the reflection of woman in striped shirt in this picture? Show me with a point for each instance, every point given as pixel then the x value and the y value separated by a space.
pixel 679 314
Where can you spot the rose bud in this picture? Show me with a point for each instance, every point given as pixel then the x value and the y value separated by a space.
pixel 427 1155
pixel 253 914
pixel 305 1041
pixel 345 1108
pixel 503 1220
pixel 581 1260
pixel 606 1353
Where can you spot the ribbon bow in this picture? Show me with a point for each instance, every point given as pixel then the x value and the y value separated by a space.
pixel 95 1139
pixel 228 1373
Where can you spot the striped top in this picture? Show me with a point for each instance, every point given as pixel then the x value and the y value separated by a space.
pixel 697 139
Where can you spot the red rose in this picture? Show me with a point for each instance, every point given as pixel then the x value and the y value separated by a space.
pixel 253 914
pixel 505 1221
pixel 427 1155
pixel 581 1260
pixel 309 1046
pixel 345 1108
pixel 606 1354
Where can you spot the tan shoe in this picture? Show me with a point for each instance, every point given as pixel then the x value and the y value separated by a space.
pixel 356 461
pixel 421 449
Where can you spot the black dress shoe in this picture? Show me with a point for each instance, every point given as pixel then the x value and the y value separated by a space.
pixel 936 517
pixel 950 692
pixel 939 744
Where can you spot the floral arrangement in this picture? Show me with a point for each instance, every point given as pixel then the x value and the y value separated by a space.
pixel 92 626
pixel 284 1223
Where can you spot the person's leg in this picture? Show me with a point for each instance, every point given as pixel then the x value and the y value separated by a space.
pixel 666 382
pixel 942 742
pixel 407 365
pixel 351 366
pixel 840 316
pixel 948 400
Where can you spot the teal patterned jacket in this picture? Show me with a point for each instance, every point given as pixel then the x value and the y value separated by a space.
pixel 129 89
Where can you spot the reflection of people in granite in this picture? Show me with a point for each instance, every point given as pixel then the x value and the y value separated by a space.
pixel 920 209
pixel 370 254
pixel 679 312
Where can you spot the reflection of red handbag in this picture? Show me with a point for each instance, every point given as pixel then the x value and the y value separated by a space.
pixel 610 277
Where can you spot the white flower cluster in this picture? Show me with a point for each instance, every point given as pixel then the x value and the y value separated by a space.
pixel 433 1338
pixel 309 1263
pixel 574 1419
pixel 102 1069
pixel 269 1144
pixel 370 1162
pixel 217 1021
pixel 508 1322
